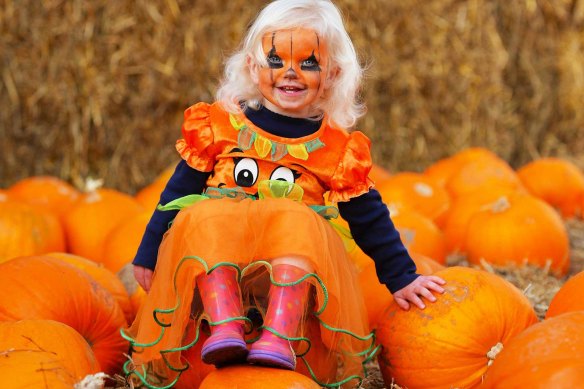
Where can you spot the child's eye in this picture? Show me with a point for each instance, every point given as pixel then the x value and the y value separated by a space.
pixel 310 64
pixel 274 60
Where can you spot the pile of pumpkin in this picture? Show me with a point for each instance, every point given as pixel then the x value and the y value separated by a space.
pixel 67 289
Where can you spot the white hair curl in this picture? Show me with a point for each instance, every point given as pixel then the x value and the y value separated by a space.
pixel 340 103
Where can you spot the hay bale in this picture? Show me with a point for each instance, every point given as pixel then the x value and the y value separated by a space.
pixel 97 89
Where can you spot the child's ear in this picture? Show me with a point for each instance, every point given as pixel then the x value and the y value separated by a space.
pixel 253 68
pixel 331 77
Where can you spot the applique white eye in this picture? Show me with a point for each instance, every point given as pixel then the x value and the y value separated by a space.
pixel 283 174
pixel 245 172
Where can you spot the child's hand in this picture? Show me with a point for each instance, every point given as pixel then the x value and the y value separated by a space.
pixel 144 277
pixel 421 286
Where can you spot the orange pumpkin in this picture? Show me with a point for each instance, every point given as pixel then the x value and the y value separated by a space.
pixel 451 342
pixel 378 173
pixel 518 229
pixel 480 174
pixel 149 196
pixel 441 170
pixel 549 354
pixel 93 217
pixel 322 362
pixel 415 191
pixel 198 370
pixel 68 348
pixel 34 369
pixel 557 181
pixel 51 193
pixel 28 230
pixel 4 195
pixel 376 295
pixel 104 278
pixel 569 298
pixel 121 243
pixel 419 234
pixel 256 377
pixel 461 211
pixel 66 294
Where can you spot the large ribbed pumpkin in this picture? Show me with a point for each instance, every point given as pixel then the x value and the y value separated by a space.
pixel 256 377
pixel 103 277
pixel 34 369
pixel 569 298
pixel 517 229
pixel 93 216
pixel 451 342
pixel 28 230
pixel 68 347
pixel 549 354
pixel 376 295
pixel 557 181
pixel 43 287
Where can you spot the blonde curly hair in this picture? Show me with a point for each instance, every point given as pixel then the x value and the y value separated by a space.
pixel 340 103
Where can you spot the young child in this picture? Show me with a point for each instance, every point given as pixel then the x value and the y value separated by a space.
pixel 253 231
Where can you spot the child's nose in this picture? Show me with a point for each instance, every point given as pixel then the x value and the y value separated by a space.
pixel 291 73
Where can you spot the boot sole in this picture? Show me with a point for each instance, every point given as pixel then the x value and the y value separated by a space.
pixel 266 358
pixel 225 353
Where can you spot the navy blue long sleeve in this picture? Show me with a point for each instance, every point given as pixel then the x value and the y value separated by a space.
pixel 184 181
pixel 375 234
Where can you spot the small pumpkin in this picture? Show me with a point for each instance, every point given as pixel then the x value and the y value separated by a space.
pixel 452 342
pixel 557 181
pixel 66 345
pixel 256 377
pixel 518 229
pixel 66 294
pixel 549 354
pixel 569 298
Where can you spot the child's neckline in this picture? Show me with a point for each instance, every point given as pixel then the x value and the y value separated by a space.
pixel 280 126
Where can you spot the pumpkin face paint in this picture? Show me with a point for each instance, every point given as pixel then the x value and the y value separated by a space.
pixel 295 76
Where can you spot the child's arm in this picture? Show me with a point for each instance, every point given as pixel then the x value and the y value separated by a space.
pixel 184 181
pixel 375 234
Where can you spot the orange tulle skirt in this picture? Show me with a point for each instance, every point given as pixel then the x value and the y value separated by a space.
pixel 247 234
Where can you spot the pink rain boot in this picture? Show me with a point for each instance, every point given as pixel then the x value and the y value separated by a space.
pixel 285 309
pixel 221 300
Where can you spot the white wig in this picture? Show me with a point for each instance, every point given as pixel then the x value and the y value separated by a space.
pixel 340 102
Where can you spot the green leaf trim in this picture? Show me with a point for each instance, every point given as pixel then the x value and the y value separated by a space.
pixel 278 149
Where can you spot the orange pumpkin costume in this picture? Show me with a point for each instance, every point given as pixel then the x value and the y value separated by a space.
pixel 234 229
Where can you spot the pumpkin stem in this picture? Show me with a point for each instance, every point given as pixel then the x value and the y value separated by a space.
pixel 501 205
pixel 496 349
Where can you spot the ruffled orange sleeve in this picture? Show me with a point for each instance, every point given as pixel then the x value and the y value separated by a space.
pixel 350 178
pixel 196 147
